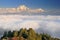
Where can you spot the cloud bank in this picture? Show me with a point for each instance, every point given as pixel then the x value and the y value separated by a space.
pixel 46 24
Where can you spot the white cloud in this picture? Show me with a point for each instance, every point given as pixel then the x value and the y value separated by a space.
pixel 29 24
pixel 9 18
pixel 49 24
pixel 53 26
pixel 29 20
pixel 21 8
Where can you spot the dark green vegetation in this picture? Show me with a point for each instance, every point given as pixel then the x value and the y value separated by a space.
pixel 24 34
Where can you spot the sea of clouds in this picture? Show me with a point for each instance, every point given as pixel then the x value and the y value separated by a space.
pixel 47 24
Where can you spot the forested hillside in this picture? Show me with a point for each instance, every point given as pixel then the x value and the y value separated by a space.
pixel 24 34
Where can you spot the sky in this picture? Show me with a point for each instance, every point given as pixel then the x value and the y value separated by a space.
pixel 50 7
pixel 33 3
pixel 41 15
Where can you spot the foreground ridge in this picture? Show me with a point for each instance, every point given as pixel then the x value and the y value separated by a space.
pixel 24 34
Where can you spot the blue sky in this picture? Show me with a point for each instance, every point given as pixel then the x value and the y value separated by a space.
pixel 31 3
